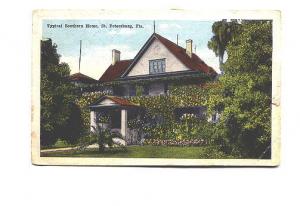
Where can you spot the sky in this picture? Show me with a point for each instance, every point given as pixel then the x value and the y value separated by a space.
pixel 97 43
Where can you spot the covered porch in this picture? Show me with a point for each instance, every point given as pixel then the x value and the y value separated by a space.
pixel 113 113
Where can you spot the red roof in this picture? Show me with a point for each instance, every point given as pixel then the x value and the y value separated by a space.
pixel 194 63
pixel 115 71
pixel 117 100
pixel 82 78
pixel 121 101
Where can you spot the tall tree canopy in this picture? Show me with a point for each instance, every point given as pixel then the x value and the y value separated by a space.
pixel 244 94
pixel 56 95
pixel 223 32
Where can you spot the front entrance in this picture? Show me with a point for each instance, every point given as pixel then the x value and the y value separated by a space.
pixel 118 122
pixel 115 119
pixel 118 111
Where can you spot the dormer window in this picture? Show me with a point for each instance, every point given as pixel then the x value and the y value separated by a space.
pixel 157 66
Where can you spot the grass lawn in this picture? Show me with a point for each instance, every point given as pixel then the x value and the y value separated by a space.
pixel 203 152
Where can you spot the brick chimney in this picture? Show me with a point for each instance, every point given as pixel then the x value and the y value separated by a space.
pixel 189 47
pixel 116 55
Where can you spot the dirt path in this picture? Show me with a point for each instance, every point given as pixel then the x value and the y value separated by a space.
pixel 67 148
pixel 58 149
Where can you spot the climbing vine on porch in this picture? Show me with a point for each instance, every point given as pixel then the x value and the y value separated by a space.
pixel 84 102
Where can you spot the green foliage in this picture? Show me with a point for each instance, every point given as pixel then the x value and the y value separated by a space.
pixel 214 152
pixel 191 127
pixel 56 95
pixel 173 142
pixel 139 90
pixel 73 129
pixel 105 137
pixel 162 108
pixel 224 31
pixel 104 119
pixel 86 140
pixel 189 95
pixel 156 105
pixel 180 96
pixel 84 102
pixel 244 93
pixel 60 143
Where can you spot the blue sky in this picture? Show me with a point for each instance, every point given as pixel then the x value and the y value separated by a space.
pixel 97 43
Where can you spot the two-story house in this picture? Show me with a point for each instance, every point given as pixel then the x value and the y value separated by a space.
pixel 156 64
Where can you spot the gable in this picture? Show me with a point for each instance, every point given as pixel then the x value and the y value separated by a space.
pixel 156 50
pixel 112 101
pixel 106 101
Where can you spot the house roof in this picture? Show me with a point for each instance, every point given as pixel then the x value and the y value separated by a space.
pixel 122 68
pixel 194 63
pixel 82 78
pixel 115 71
pixel 118 100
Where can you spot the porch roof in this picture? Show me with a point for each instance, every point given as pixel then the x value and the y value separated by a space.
pixel 113 101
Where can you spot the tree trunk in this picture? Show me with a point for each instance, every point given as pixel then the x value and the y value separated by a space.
pixel 221 63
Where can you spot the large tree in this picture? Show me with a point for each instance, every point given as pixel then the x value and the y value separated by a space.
pixel 244 92
pixel 57 96
pixel 223 32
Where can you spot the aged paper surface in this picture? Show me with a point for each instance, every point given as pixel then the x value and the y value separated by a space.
pixel 175 15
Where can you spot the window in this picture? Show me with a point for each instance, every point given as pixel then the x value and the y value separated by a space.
pixel 132 90
pixel 157 66
pixel 146 90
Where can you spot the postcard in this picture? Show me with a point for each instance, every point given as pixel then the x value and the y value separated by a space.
pixel 156 88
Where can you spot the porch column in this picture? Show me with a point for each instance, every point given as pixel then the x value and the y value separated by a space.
pixel 93 120
pixel 123 122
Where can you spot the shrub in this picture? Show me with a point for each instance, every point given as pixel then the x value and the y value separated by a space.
pixel 200 129
pixel 105 137
pixel 215 152
pixel 87 140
